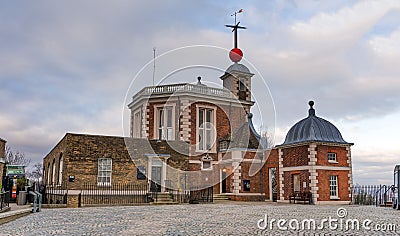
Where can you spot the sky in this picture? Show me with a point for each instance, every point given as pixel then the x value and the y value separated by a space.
pixel 66 66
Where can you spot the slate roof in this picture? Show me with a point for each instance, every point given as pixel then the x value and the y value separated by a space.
pixel 314 129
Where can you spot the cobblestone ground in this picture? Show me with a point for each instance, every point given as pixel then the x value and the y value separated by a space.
pixel 207 219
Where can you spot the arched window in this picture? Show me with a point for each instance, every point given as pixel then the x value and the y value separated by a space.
pixel 53 172
pixel 60 169
pixel 48 174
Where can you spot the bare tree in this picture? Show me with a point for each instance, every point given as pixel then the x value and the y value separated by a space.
pixel 36 173
pixel 268 139
pixel 16 158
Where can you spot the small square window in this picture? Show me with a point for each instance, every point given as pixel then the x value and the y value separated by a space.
pixel 206 165
pixel 332 157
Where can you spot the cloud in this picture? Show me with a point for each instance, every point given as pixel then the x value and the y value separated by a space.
pixel 65 67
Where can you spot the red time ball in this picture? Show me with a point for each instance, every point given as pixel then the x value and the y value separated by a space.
pixel 235 55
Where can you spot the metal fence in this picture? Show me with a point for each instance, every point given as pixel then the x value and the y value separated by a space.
pixel 372 194
pixel 55 194
pixel 124 194
pixel 201 195
pixel 4 200
pixel 115 194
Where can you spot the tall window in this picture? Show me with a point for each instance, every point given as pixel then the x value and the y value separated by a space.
pixel 296 182
pixel 48 174
pixel 333 184
pixel 104 171
pixel 206 133
pixel 165 123
pixel 53 174
pixel 332 157
pixel 137 123
pixel 60 169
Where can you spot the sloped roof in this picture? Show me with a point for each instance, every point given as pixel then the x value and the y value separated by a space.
pixel 247 137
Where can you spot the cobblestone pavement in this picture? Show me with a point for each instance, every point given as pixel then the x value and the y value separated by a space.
pixel 207 219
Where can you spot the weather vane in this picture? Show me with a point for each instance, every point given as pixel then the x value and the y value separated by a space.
pixel 236 54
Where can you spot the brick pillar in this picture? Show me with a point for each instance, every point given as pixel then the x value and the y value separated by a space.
pixel 281 178
pixel 73 200
pixel 350 175
pixel 184 133
pixel 236 177
pixel 312 157
pixel 145 121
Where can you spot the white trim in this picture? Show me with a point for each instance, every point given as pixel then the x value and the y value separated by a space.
pixel 345 168
pixel 98 171
pixel 332 156
pixel 213 126
pixel 336 180
pixel 156 117
pixel 206 169
pixel 60 169
pixel 137 127
pixel 194 162
pixel 243 194
pixel 332 202
pixel 280 174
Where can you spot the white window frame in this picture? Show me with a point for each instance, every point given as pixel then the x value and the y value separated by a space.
pixel 104 170
pixel 164 129
pixel 53 172
pixel 48 174
pixel 206 168
pixel 333 187
pixel 137 124
pixel 212 128
pixel 332 157
pixel 60 169
pixel 207 159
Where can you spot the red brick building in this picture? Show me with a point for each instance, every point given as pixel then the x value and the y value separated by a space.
pixel 222 148
pixel 315 158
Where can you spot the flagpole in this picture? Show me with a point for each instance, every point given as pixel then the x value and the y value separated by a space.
pixel 154 63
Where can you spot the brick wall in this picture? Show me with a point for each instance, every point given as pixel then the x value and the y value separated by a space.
pixel 323 185
pixel 322 155
pixel 295 156
pixel 288 182
pixel 81 153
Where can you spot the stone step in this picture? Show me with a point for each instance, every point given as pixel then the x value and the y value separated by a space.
pixel 386 204
pixel 162 199
pixel 220 197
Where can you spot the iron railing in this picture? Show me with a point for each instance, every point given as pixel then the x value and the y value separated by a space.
pixel 115 194
pixel 56 194
pixel 385 195
pixel 123 194
pixel 372 195
pixel 201 195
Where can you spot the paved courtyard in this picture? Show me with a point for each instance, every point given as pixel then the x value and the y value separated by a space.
pixel 208 219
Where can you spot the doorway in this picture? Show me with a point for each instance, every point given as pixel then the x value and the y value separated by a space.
pixel 155 184
pixel 273 186
pixel 223 182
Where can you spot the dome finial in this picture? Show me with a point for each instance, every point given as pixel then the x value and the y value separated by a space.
pixel 311 111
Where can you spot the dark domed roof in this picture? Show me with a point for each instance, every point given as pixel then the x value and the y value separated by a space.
pixel 238 67
pixel 314 129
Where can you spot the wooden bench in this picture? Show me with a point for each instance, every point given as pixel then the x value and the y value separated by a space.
pixel 304 197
